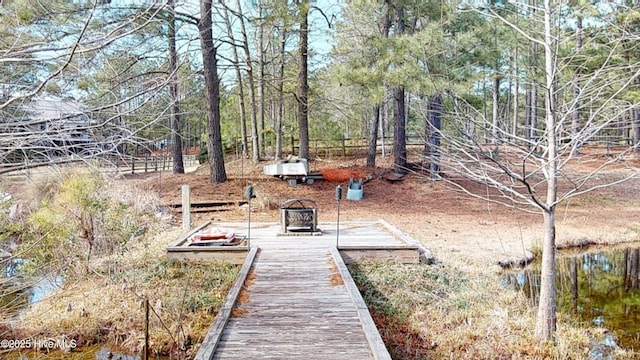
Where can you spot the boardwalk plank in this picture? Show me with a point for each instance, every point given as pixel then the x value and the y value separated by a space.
pixel 295 304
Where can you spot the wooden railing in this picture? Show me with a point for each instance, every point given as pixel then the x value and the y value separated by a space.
pixel 144 164
pixel 349 146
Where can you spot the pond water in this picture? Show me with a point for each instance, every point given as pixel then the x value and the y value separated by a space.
pixel 17 293
pixel 13 295
pixel 96 352
pixel 596 288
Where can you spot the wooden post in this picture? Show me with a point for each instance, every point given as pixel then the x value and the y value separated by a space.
pixel 338 198
pixel 145 355
pixel 186 208
pixel 146 164
pixel 133 165
pixel 344 148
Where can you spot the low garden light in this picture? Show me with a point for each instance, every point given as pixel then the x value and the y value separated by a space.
pixel 338 198
pixel 250 195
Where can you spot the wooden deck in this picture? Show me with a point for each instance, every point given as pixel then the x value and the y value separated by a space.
pixel 295 298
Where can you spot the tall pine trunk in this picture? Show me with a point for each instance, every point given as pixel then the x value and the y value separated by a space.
pixel 303 86
pixel 399 133
pixel 212 94
pixel 261 96
pixel 399 129
pixel 176 133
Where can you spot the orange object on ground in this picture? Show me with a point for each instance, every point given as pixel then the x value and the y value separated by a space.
pixel 340 175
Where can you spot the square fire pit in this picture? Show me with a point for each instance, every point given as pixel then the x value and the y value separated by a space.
pixel 299 215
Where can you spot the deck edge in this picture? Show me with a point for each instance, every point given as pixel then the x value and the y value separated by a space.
pixel 377 346
pixel 189 234
pixel 426 256
pixel 211 340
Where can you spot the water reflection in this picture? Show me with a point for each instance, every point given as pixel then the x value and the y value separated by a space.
pixel 17 291
pixel 14 294
pixel 598 288
pixel 95 352
pixel 44 287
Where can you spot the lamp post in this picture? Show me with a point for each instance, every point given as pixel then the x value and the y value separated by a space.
pixel 338 198
pixel 250 195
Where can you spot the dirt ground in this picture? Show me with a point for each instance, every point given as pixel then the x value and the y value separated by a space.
pixel 451 224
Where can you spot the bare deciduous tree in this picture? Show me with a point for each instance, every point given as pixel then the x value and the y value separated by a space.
pixel 536 173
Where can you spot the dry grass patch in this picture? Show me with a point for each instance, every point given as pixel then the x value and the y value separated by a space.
pixel 429 312
pixel 107 306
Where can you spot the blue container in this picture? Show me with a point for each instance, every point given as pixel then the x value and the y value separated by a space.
pixel 355 190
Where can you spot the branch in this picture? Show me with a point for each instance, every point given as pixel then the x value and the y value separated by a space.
pixel 58 71
pixel 329 21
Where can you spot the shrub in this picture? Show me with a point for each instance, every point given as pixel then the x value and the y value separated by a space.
pixel 80 217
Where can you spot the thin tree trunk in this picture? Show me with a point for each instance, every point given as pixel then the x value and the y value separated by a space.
pixel 532 92
pixel 373 136
pixel 575 116
pixel 261 51
pixel 546 316
pixel 236 67
pixel 399 133
pixel 280 117
pixel 303 86
pixel 635 123
pixel 384 120
pixel 534 113
pixel 399 129
pixel 176 135
pixel 212 94
pixel 516 93
pixel 495 108
pixel 251 88
pixel 527 115
pixel 534 104
pixel 434 125
pixel 379 110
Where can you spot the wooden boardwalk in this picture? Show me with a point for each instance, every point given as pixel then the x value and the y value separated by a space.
pixel 296 299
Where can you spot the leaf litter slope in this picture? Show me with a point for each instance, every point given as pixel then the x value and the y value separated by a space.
pixel 447 221
pixel 468 235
